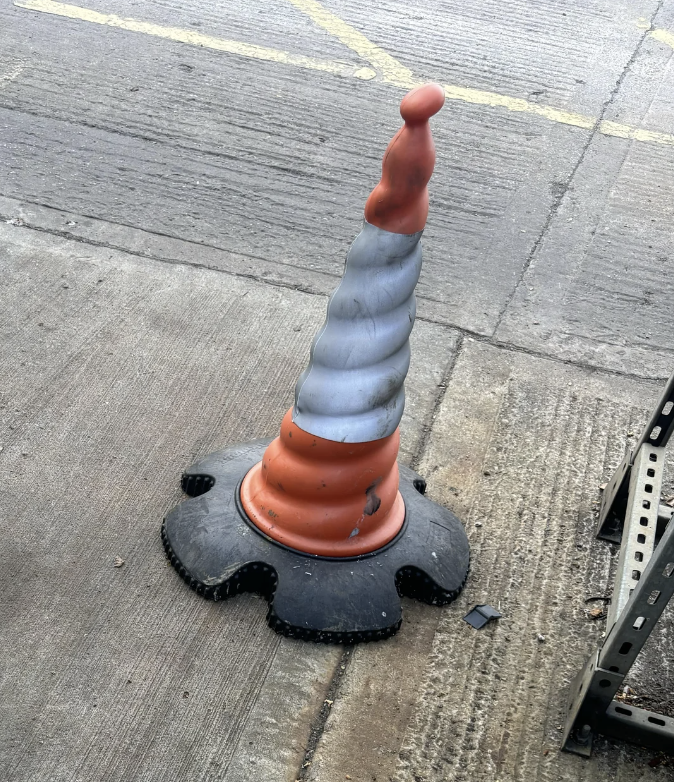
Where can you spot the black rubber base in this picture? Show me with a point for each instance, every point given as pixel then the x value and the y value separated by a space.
pixel 219 554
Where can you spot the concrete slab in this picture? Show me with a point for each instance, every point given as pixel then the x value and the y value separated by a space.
pixel 118 373
pixel 147 169
pixel 374 700
pixel 566 55
pixel 302 222
pixel 273 164
pixel 599 289
pixel 519 448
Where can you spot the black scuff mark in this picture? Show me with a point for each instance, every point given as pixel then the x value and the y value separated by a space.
pixel 373 501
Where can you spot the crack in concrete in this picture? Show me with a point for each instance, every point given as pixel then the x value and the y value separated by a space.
pixel 318 724
pixel 563 190
pixel 443 385
pixel 461 330
pixel 158 258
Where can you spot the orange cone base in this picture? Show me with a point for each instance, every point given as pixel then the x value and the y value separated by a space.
pixel 326 498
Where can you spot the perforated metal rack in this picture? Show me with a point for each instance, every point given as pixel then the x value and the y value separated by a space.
pixel 632 515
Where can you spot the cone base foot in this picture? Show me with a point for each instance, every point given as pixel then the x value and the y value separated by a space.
pixel 219 554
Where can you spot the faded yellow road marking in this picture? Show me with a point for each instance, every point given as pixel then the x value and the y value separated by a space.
pixel 386 68
pixel 664 36
pixel 390 69
pixel 518 104
pixel 197 39
pixel 605 127
pixel 393 72
pixel 638 134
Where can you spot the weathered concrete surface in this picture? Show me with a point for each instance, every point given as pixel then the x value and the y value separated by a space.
pixel 543 237
pixel 519 448
pixel 529 492
pixel 235 203
pixel 118 373
pixel 375 701
pixel 599 289
pixel 274 164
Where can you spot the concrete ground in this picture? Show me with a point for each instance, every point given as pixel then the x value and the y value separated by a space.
pixel 179 183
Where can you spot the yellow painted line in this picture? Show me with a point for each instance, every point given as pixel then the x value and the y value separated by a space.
pixel 388 69
pixel 605 127
pixel 197 39
pixel 393 72
pixel 664 36
pixel 638 134
pixel 468 95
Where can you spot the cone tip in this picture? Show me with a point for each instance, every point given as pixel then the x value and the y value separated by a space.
pixel 421 103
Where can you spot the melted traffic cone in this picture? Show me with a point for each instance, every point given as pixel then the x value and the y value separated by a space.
pixel 322 520
pixel 399 203
pixel 329 484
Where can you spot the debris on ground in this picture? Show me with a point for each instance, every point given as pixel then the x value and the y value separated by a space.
pixel 480 615
pixel 118 562
pixel 627 695
pixel 661 760
pixel 601 611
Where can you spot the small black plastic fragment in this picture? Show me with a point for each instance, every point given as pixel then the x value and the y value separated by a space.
pixel 480 615
pixel 420 485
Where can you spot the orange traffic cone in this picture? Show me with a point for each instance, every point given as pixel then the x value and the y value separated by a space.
pixel 325 523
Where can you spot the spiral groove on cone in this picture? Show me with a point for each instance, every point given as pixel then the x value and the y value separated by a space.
pixel 353 389
pixel 326 498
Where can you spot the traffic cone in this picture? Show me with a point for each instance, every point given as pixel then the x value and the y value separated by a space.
pixel 322 520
